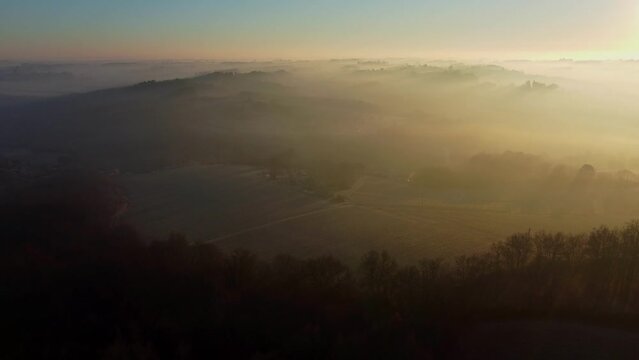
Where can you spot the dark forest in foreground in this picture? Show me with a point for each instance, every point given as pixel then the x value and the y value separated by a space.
pixel 75 283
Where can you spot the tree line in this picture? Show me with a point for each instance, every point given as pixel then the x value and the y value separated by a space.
pixel 76 286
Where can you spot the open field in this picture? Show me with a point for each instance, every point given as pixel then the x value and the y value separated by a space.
pixel 206 202
pixel 238 207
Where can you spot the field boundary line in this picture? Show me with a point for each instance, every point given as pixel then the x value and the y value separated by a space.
pixel 275 222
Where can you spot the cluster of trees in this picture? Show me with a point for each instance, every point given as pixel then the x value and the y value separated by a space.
pixel 529 183
pixel 322 177
pixel 76 286
pixel 538 86
pixel 327 178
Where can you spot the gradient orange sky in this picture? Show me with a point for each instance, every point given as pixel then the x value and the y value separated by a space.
pixel 253 29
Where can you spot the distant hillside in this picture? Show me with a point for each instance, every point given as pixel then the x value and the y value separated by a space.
pixel 220 117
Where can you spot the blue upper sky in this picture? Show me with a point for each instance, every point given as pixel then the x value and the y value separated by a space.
pixel 247 29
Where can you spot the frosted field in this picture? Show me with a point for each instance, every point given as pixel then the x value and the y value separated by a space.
pixel 238 207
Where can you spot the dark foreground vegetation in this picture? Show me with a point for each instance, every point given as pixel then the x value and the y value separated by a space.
pixel 75 283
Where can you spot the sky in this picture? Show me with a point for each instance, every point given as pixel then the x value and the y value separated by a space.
pixel 302 29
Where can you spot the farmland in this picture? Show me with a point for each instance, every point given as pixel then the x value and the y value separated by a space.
pixel 239 207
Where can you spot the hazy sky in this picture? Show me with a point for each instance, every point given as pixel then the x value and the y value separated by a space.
pixel 259 29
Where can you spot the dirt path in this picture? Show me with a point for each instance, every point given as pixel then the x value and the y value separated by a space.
pixel 422 219
pixel 276 222
pixel 413 218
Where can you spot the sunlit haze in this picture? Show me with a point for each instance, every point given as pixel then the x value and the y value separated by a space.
pixel 252 29
pixel 319 179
